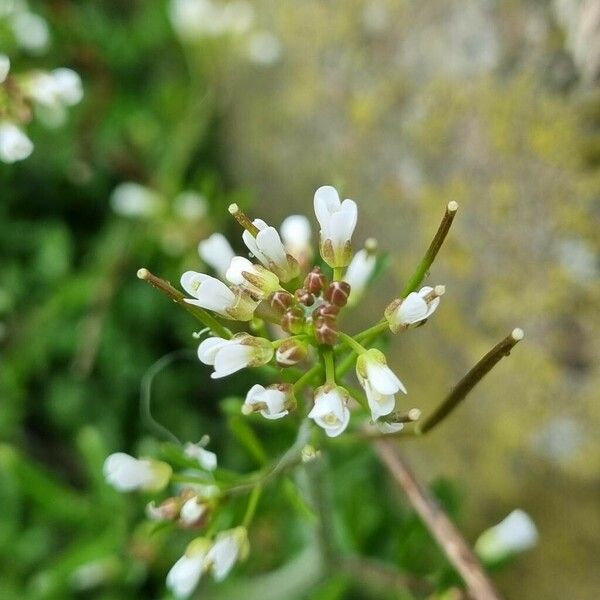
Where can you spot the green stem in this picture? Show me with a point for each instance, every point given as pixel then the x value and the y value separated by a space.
pixel 327 354
pixel 338 273
pixel 306 378
pixel 350 341
pixel 252 504
pixel 168 290
pixel 374 330
pixel 427 260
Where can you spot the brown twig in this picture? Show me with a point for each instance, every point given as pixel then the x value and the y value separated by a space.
pixel 439 525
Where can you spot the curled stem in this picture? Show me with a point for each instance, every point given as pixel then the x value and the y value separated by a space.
pixel 470 380
pixel 168 290
pixel 436 243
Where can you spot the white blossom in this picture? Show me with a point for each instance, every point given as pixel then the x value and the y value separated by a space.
pixel 387 427
pixel 130 199
pixel 268 248
pixel 413 309
pixel 191 512
pixel 216 252
pixel 126 473
pixel 359 273
pixel 338 221
pixel 4 67
pixel 378 381
pixel 516 533
pixel 14 144
pixel 212 294
pixel 254 278
pixel 330 411
pixel 31 31
pixel 229 547
pixel 272 401
pixel 296 235
pixel 185 574
pixel 206 459
pixel 69 88
pixel 229 356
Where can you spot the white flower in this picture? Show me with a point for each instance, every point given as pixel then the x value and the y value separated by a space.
pixel 212 294
pixel 229 356
pixel 130 199
pixel 254 278
pixel 337 220
pixel 185 574
pixel 191 512
pixel 330 411
pixel 413 309
pixel 206 459
pixel 126 473
pixel 359 273
pixel 229 546
pixel 388 427
pixel 270 251
pixel 272 401
pixel 31 32
pixel 296 235
pixel 14 144
pixel 264 48
pixel 216 252
pixel 4 67
pixel 378 381
pixel 69 88
pixel 190 206
pixel 516 533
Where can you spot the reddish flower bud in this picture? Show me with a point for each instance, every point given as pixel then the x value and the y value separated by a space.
pixel 293 320
pixel 315 282
pixel 337 293
pixel 326 311
pixel 280 301
pixel 304 297
pixel 325 330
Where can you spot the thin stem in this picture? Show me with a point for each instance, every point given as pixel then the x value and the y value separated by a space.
pixel 252 504
pixel 338 273
pixel 470 380
pixel 439 525
pixel 327 354
pixel 300 336
pixel 427 260
pixel 168 290
pixel 306 378
pixel 350 341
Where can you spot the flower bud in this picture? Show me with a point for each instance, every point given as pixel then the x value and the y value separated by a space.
pixel 326 311
pixel 326 330
pixel 168 510
pixel 273 402
pixel 304 297
pixel 337 293
pixel 315 282
pixel 293 320
pixel 415 308
pixel 291 352
pixel 193 513
pixel 280 301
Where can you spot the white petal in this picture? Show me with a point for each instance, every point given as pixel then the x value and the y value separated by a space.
pixel 382 378
pixel 126 473
pixel 380 404
pixel 342 224
pixel 68 86
pixel 296 234
pixel 326 202
pixel 222 556
pixel 250 242
pixel 412 309
pixel 360 270
pixel 185 574
pixel 191 511
pixel 232 358
pixel 208 349
pixel 216 252
pixel 335 431
pixel 206 459
pixel 270 245
pixel 215 295
pixel 14 144
pixel 4 67
pixel 238 265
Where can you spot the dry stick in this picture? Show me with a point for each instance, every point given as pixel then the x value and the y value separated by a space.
pixel 168 290
pixel 470 380
pixel 440 526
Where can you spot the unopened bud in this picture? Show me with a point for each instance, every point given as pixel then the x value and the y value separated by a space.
pixel 337 293
pixel 304 297
pixel 291 352
pixel 168 510
pixel 293 320
pixel 280 301
pixel 309 453
pixel 326 311
pixel 326 330
pixel 315 282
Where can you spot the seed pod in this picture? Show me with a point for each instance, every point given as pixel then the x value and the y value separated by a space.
pixel 315 282
pixel 290 353
pixel 280 301
pixel 337 293
pixel 293 320
pixel 326 330
pixel 304 297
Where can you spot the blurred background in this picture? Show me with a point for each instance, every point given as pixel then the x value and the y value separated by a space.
pixel 404 106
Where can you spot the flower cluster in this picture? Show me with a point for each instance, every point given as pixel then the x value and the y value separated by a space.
pixel 47 94
pixel 296 308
